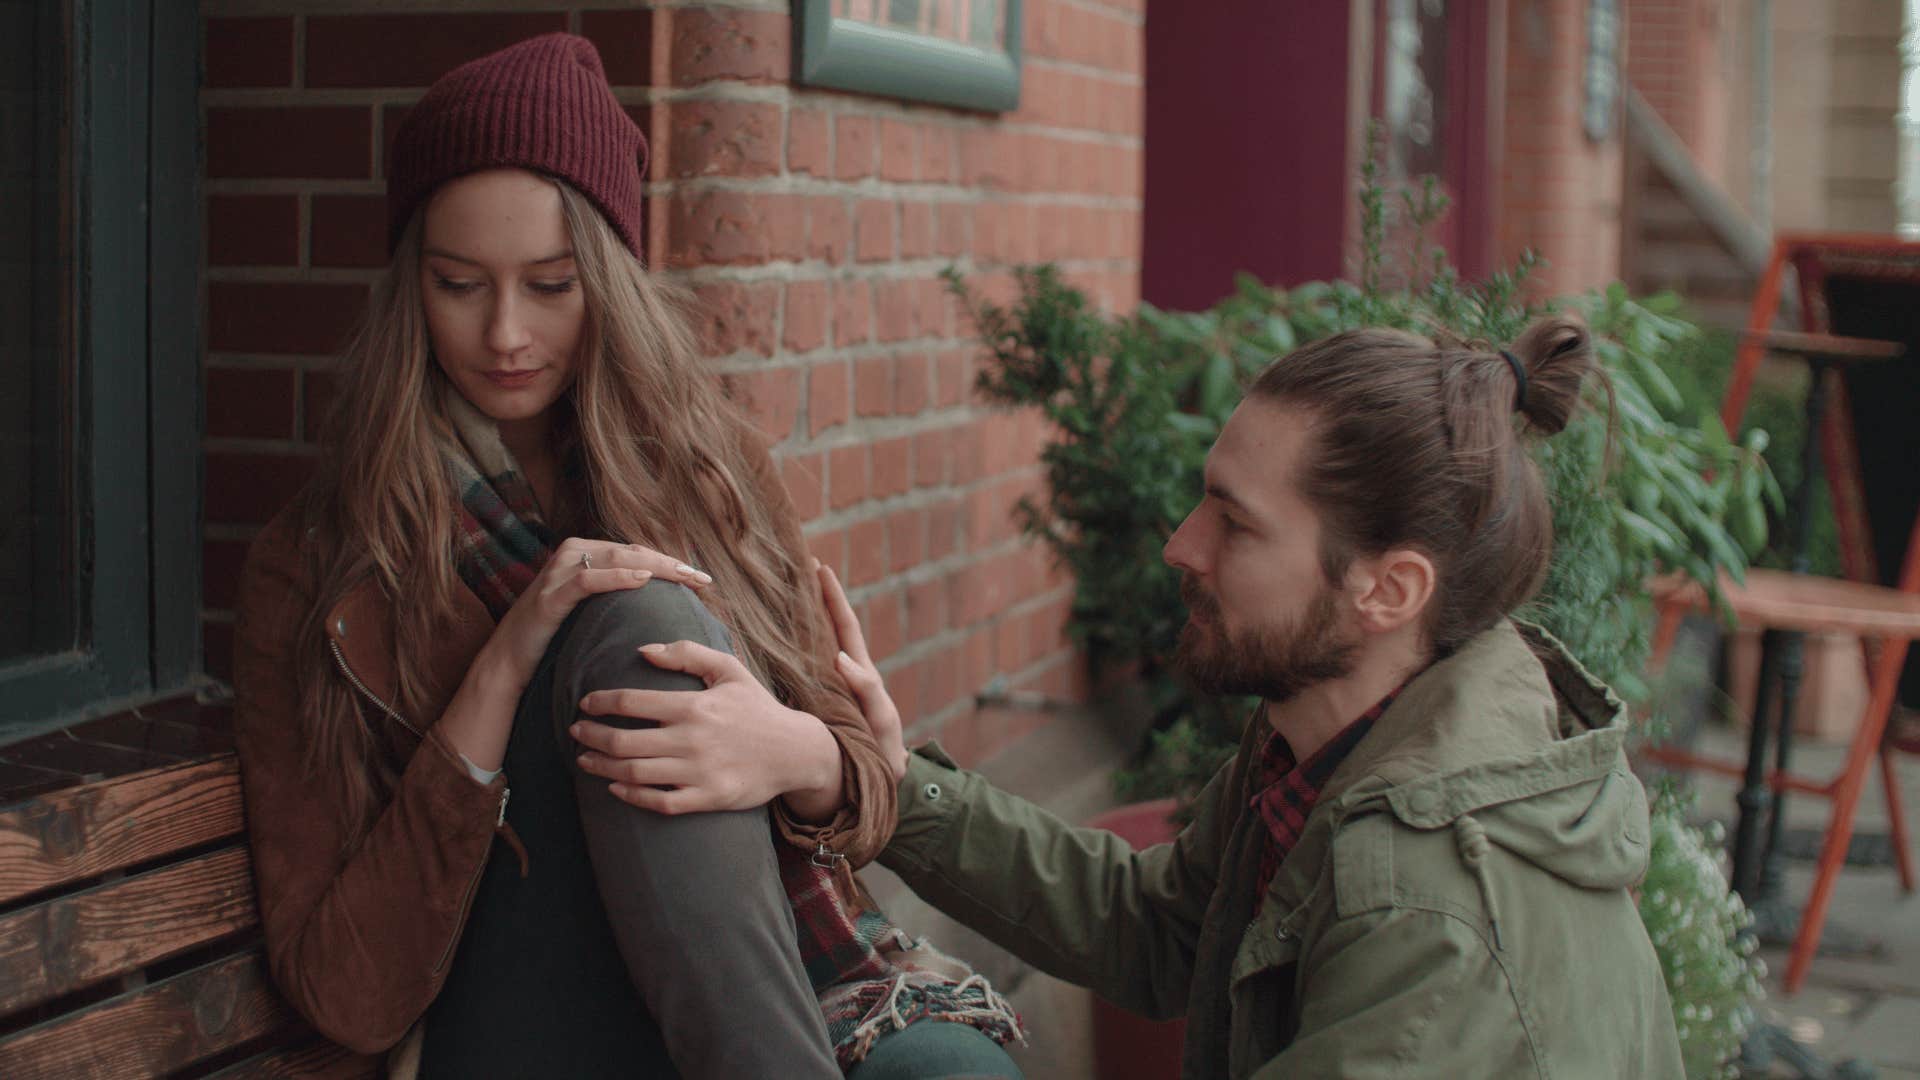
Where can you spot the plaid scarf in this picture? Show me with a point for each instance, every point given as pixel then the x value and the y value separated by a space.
pixel 870 976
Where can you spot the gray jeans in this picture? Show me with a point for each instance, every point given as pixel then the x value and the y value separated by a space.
pixel 636 944
pixel 695 901
pixel 631 944
pixel 737 1003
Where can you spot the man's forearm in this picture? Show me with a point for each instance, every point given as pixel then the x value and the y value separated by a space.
pixel 1077 903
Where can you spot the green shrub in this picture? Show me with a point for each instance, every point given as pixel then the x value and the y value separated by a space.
pixel 1641 483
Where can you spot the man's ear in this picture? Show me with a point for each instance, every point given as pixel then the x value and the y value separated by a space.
pixel 1390 590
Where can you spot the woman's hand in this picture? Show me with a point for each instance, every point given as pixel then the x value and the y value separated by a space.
pixel 578 569
pixel 732 746
pixel 862 677
pixel 480 716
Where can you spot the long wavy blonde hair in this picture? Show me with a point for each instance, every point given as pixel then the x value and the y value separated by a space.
pixel 664 461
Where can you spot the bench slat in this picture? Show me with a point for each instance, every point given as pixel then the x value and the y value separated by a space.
pixel 315 1060
pixel 84 831
pixel 70 942
pixel 155 1030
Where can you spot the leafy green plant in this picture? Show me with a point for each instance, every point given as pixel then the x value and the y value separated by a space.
pixel 1641 482
pixel 1701 368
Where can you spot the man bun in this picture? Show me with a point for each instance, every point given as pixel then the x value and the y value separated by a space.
pixel 1556 352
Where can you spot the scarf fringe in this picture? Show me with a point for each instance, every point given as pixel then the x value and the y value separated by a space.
pixel 911 997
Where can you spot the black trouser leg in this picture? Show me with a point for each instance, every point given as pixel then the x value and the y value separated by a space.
pixel 695 901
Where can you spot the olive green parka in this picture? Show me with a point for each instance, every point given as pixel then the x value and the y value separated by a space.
pixel 1458 903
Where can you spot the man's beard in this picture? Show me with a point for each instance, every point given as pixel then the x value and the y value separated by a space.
pixel 1273 662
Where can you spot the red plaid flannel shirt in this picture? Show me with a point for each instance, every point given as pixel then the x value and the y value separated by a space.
pixel 1286 790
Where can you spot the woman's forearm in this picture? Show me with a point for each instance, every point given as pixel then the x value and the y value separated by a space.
pixel 480 716
pixel 820 787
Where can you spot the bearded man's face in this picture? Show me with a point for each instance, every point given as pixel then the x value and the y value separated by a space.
pixel 1275 658
pixel 1262 616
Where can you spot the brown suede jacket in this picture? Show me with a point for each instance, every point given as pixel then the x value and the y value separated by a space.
pixel 360 943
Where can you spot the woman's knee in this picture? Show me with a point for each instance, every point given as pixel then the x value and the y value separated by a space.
pixel 936 1050
pixel 599 647
pixel 629 618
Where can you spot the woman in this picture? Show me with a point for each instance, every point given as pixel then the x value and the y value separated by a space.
pixel 521 431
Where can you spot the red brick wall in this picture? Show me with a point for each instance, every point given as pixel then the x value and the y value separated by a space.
pixel 1676 64
pixel 1560 190
pixel 812 225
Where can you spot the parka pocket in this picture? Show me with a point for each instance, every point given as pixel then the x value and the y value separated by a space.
pixel 1261 989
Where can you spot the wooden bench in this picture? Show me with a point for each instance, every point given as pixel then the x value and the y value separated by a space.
pixel 129 942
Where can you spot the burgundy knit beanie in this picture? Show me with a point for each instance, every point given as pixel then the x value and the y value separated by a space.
pixel 543 105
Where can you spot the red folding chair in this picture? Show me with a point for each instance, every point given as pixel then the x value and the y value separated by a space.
pixel 1885 617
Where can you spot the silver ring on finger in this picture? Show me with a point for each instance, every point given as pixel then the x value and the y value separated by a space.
pixel 586 559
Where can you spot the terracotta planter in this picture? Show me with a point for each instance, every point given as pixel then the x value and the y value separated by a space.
pixel 1126 1046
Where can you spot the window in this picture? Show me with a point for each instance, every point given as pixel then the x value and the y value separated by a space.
pixel 99 416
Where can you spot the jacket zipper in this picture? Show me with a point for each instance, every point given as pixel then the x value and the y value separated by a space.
pixel 341 660
pixel 500 820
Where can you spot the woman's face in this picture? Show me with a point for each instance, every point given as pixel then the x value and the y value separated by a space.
pixel 503 301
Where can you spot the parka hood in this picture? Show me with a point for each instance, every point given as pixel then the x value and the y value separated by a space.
pixel 1509 741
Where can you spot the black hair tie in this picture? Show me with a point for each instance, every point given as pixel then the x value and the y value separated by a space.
pixel 1519 380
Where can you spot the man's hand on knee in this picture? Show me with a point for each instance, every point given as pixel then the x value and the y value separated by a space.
pixel 730 746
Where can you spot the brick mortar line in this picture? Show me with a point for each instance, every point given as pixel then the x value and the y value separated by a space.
pixel 869 188
pixel 914 651
pixel 918 497
pixel 1018 609
pixel 784 184
pixel 742 363
pixel 947 197
pixel 743 90
pixel 926 570
pixel 928 726
pixel 811 270
pixel 1127 142
pixel 1091 71
pixel 872 508
pixel 875 507
pixel 797 95
pixel 1134 18
pixel 843 439
pixel 949 636
pixel 874 109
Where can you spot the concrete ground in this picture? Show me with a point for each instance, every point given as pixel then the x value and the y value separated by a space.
pixel 1864 1007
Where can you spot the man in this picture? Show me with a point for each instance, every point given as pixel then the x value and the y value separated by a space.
pixel 1419 862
